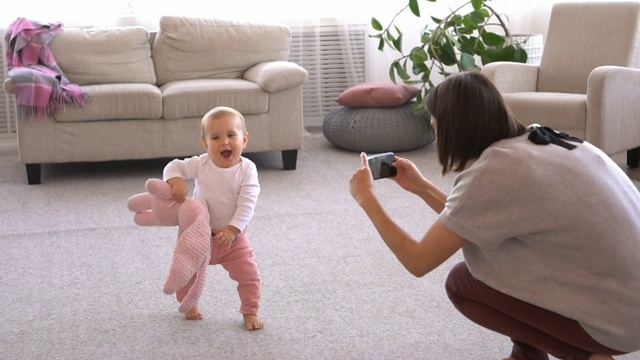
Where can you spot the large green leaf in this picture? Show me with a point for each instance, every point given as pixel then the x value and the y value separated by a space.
pixel 446 53
pixel 489 56
pixel 402 71
pixel 413 6
pixel 437 36
pixel 425 38
pixel 375 24
pixel 492 39
pixel 477 4
pixel 506 54
pixel 418 54
pixel 397 43
pixel 421 70
pixel 455 20
pixel 468 26
pixel 467 46
pixel 467 62
pixel 391 40
pixel 520 55
pixel 479 48
pixel 476 16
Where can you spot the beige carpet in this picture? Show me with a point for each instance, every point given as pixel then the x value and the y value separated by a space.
pixel 79 280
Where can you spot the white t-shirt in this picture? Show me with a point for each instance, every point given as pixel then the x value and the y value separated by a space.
pixel 556 228
pixel 230 194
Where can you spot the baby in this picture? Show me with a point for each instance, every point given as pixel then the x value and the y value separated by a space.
pixel 227 184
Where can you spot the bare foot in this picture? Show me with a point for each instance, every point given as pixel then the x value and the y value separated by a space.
pixel 193 314
pixel 252 322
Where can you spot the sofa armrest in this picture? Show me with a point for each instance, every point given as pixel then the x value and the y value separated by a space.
pixel 613 114
pixel 512 77
pixel 274 76
pixel 7 85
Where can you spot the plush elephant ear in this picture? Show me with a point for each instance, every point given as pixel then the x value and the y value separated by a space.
pixel 140 204
pixel 158 188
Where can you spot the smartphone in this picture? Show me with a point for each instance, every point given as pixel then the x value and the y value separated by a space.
pixel 380 165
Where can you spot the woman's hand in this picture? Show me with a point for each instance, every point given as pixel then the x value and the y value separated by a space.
pixel 361 183
pixel 408 176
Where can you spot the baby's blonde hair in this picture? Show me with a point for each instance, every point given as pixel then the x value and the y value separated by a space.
pixel 218 112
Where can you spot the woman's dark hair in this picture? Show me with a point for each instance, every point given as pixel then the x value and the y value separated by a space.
pixel 470 115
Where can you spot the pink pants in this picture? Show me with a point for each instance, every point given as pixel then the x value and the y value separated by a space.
pixel 534 331
pixel 238 261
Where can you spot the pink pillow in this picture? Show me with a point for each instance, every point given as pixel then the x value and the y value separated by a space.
pixel 377 94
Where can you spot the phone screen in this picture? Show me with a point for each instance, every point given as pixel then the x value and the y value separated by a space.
pixel 380 165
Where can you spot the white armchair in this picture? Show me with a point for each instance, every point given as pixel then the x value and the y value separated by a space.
pixel 588 81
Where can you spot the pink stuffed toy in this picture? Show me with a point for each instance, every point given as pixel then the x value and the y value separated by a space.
pixel 193 248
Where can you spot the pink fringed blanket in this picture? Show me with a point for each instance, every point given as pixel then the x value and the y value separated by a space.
pixel 39 84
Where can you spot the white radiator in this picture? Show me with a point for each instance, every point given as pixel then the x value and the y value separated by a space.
pixel 334 56
pixel 7 102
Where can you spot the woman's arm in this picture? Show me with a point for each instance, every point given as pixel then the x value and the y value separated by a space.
pixel 409 178
pixel 418 257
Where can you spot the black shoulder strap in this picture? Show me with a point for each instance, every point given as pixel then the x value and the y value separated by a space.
pixel 544 135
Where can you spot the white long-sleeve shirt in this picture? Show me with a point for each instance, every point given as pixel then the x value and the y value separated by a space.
pixel 230 194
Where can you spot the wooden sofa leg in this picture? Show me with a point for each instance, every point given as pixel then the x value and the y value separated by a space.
pixel 633 157
pixel 33 173
pixel 289 159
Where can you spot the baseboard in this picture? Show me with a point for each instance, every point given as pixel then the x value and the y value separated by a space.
pixel 8 145
pixel 313 121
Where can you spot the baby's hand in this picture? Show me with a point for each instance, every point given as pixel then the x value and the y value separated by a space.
pixel 179 189
pixel 226 235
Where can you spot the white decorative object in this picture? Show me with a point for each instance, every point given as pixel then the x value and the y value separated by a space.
pixel 126 15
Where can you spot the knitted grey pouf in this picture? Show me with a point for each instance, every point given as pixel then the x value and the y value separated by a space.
pixel 379 129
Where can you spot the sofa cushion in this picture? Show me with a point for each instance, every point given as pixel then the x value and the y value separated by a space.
pixel 104 55
pixel 204 48
pixel 116 102
pixel 567 112
pixel 194 98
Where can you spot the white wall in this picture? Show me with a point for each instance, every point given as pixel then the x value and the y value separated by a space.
pixel 524 17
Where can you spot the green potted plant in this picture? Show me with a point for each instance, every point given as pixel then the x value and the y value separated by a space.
pixel 449 44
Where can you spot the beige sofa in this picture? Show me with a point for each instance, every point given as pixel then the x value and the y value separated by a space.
pixel 149 91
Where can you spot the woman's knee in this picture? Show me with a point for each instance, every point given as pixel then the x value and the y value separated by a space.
pixel 458 282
